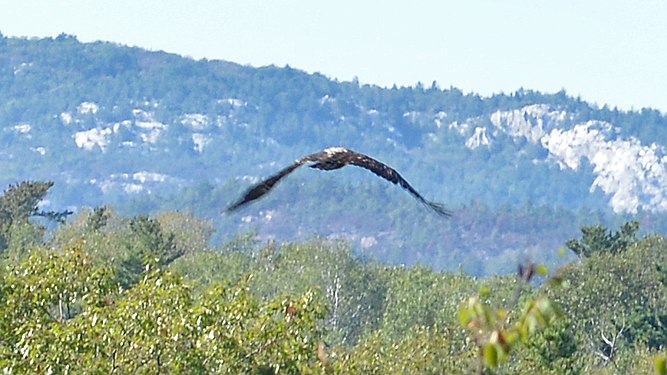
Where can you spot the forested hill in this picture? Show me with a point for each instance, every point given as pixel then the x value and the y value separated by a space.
pixel 146 131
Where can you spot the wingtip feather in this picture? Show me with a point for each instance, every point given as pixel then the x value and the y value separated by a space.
pixel 233 207
pixel 439 208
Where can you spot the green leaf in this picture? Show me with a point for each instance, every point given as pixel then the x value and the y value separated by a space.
pixel 660 364
pixel 464 316
pixel 491 355
pixel 542 270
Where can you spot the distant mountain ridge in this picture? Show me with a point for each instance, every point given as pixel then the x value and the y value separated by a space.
pixel 150 130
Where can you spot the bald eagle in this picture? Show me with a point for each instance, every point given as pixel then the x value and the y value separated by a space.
pixel 335 158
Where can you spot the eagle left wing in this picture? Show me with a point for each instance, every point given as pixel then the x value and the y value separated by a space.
pixel 261 188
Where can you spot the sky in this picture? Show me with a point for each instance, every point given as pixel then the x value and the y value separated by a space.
pixel 611 52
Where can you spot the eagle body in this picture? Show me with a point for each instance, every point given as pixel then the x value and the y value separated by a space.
pixel 330 159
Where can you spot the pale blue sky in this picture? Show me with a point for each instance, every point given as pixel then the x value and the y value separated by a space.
pixel 608 51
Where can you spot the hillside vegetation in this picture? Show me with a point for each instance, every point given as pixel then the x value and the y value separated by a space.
pixel 147 131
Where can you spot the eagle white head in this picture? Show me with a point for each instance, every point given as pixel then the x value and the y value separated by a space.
pixel 335 150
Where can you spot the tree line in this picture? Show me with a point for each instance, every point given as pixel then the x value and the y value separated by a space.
pixel 104 293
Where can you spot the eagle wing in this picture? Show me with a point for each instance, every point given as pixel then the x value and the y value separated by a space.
pixel 390 174
pixel 261 188
pixel 334 158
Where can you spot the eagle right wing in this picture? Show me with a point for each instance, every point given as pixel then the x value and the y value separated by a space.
pixel 390 174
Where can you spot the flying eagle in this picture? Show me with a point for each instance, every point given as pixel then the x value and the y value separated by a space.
pixel 335 158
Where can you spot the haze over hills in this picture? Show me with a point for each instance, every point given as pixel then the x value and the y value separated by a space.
pixel 147 131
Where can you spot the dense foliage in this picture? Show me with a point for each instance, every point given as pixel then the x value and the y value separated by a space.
pixel 104 293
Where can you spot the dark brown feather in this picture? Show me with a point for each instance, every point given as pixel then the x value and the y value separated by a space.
pixel 258 190
pixel 391 175
pixel 334 158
